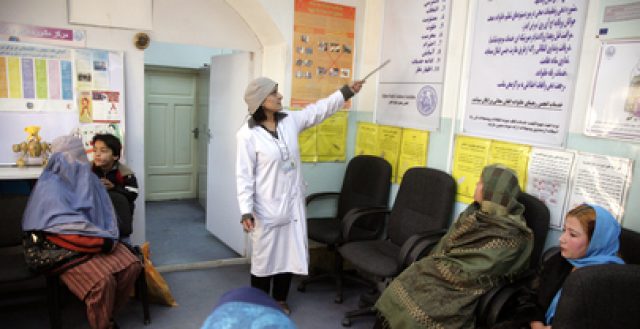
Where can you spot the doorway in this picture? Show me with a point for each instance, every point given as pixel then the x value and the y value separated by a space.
pixel 176 138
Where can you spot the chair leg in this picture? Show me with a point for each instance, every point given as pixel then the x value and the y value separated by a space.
pixel 53 299
pixel 141 286
pixel 368 311
pixel 338 266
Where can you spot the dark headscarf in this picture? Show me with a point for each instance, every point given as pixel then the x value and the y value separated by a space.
pixel 500 185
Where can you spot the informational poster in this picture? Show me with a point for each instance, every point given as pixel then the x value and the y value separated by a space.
pixel 619 19
pixel 307 142
pixel 414 38
pixel 389 139
pixel 524 62
pixel 514 156
pixel 61 91
pixel 413 151
pixel 323 41
pixel 470 157
pixel 601 180
pixel 614 110
pixel 367 139
pixel 548 174
pixel 36 78
pixel 331 136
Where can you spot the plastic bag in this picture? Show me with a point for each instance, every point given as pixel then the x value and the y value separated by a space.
pixel 157 287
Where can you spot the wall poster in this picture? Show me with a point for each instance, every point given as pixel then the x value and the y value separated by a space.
pixel 614 110
pixel 414 38
pixel 524 61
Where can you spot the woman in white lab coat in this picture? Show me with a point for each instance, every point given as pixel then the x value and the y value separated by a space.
pixel 270 186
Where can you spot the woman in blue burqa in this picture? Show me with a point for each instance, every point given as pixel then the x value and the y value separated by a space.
pixel 69 199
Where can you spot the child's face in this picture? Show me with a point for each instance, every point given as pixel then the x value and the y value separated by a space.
pixel 103 156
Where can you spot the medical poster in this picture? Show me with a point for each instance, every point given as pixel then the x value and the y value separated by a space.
pixel 413 151
pixel 614 110
pixel 470 157
pixel 601 180
pixel 367 139
pixel 548 174
pixel 331 138
pixel 308 145
pixel 389 139
pixel 36 78
pixel 323 41
pixel 514 156
pixel 524 62
pixel 410 86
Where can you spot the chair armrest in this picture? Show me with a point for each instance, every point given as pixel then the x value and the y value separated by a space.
pixel 353 215
pixel 313 196
pixel 417 245
pixel 493 306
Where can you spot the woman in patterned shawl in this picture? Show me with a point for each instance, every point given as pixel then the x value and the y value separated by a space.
pixel 489 242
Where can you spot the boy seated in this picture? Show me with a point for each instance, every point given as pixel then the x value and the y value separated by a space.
pixel 118 179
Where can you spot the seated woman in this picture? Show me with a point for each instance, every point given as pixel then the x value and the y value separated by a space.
pixel 488 243
pixel 590 237
pixel 69 201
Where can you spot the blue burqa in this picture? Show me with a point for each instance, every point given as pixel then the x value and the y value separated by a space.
pixel 68 197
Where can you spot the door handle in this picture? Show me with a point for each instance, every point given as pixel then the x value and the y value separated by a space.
pixel 196 133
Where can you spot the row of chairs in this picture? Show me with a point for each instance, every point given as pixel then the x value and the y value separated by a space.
pixel 15 276
pixel 381 243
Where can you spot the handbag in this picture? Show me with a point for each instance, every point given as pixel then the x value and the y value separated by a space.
pixel 44 256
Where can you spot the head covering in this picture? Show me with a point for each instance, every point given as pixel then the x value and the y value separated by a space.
pixel 602 249
pixel 257 91
pixel 71 147
pixel 500 185
pixel 69 198
pixel 247 307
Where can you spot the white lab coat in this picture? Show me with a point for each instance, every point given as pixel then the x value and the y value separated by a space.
pixel 273 189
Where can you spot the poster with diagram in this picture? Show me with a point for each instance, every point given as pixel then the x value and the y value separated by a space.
pixel 60 90
pixel 614 110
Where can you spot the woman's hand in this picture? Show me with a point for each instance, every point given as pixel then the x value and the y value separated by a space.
pixel 356 86
pixel 248 224
pixel 538 325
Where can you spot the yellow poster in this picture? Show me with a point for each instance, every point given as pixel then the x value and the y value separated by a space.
pixel 470 157
pixel 307 142
pixel 413 151
pixel 514 156
pixel 331 137
pixel 389 139
pixel 323 40
pixel 367 139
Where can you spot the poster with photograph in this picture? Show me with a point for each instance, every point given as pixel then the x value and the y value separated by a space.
pixel 614 110
pixel 323 41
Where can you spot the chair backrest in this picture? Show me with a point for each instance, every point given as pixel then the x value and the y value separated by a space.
pixel 630 246
pixel 11 222
pixel 601 296
pixel 367 182
pixel 424 203
pixel 537 216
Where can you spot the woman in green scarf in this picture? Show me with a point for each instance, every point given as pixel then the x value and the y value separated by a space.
pixel 489 243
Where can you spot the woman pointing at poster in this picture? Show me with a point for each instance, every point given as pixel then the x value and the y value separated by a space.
pixel 270 186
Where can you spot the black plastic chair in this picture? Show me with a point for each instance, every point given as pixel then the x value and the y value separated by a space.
pixel 366 184
pixel 490 305
pixel 15 275
pixel 419 218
